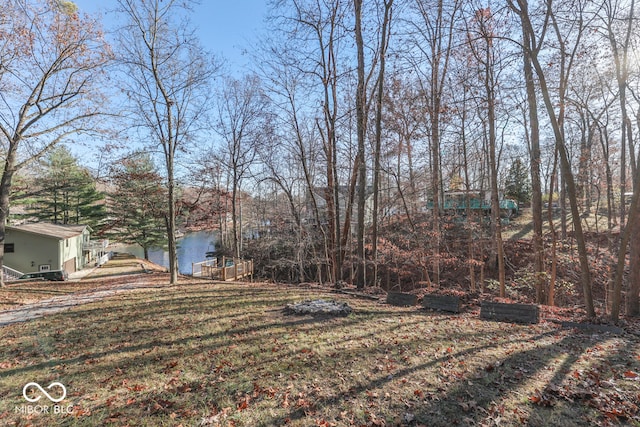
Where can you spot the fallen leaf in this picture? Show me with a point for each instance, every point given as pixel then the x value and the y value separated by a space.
pixel 244 404
pixel 541 399
pixel 468 406
pixel 185 388
pixel 81 412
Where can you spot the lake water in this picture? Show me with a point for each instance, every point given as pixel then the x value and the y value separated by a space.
pixel 192 247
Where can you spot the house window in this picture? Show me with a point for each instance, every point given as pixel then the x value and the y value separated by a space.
pixel 9 248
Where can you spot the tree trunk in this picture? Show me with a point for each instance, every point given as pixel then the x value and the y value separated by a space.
pixel 633 295
pixel 534 164
pixel 388 4
pixel 631 232
pixel 467 183
pixel 5 192
pixel 235 218
pixel 625 238
pixel 361 126
pixel 565 165
pixel 495 197
pixel 554 233
pixel 171 227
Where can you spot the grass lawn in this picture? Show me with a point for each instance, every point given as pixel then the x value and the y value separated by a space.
pixel 208 354
pixel 19 293
pixel 117 271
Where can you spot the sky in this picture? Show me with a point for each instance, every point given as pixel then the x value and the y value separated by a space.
pixel 230 26
pixel 225 27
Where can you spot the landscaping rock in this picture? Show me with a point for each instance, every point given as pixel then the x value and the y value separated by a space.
pixel 319 307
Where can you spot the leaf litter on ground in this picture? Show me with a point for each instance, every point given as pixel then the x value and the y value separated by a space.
pixel 205 353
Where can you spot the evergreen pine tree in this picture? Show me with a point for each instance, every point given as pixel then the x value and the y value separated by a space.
pixel 518 182
pixel 66 193
pixel 137 203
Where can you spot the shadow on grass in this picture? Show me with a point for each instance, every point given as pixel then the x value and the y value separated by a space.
pixel 103 275
pixel 129 338
pixel 210 346
pixel 477 398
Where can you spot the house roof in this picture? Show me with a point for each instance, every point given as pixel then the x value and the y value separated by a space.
pixel 57 231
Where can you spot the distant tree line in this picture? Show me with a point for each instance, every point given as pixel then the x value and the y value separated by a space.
pixel 332 158
pixel 129 207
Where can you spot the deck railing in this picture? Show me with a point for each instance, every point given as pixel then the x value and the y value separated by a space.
pixel 95 245
pixel 9 273
pixel 197 267
pixel 228 269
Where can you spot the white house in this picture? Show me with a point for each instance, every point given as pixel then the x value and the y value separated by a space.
pixel 46 246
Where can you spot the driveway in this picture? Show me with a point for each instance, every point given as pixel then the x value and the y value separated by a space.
pixel 121 274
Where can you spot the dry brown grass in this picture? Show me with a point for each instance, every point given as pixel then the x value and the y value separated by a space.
pixel 521 226
pixel 116 272
pixel 206 353
pixel 17 294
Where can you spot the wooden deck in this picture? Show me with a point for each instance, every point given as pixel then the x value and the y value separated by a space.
pixel 230 269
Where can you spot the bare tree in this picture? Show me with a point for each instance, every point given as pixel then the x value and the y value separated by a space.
pixel 313 32
pixel 404 119
pixel 292 158
pixel 482 42
pixel 535 160
pixel 240 122
pixel 385 34
pixel 556 119
pixel 168 76
pixel 619 21
pixel 376 43
pixel 432 46
pixel 361 128
pixel 51 64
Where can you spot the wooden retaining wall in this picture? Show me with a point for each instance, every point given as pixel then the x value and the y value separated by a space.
pixel 401 299
pixel 448 303
pixel 517 313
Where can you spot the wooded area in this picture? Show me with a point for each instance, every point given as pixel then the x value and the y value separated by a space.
pixel 334 159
